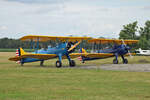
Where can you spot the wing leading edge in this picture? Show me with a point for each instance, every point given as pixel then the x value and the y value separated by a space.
pixel 104 41
pixel 54 38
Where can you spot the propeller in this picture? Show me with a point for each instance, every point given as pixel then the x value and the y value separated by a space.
pixel 74 46
pixel 127 48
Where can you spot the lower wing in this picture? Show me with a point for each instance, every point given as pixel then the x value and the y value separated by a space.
pixel 95 55
pixel 74 55
pixel 37 56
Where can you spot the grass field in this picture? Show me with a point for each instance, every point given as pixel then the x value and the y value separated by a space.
pixel 32 82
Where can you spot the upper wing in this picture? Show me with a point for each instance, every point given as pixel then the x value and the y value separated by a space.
pixel 104 41
pixel 54 38
pixel 37 56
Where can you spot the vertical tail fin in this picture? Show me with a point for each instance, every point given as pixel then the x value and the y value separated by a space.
pixel 83 51
pixel 22 52
pixel 19 52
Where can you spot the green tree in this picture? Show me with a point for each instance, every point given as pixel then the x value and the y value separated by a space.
pixel 144 32
pixel 129 31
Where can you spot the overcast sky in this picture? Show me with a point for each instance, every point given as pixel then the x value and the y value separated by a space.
pixel 70 17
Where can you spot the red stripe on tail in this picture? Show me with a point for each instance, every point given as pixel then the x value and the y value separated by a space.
pixel 17 54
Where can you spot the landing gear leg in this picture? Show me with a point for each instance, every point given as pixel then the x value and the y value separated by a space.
pixel 125 61
pixel 71 62
pixel 41 63
pixel 115 61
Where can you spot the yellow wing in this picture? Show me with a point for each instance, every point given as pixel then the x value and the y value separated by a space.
pixel 54 38
pixel 40 56
pixel 95 55
pixel 16 58
pixel 92 55
pixel 37 56
pixel 104 41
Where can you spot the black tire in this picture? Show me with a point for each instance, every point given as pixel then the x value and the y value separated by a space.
pixel 58 64
pixel 125 61
pixel 72 63
pixel 115 61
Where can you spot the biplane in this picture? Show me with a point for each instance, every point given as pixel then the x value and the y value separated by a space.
pixel 120 48
pixel 63 50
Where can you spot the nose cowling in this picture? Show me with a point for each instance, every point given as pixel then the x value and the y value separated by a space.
pixel 124 49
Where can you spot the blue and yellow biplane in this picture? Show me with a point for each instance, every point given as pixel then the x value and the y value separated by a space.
pixel 62 50
pixel 120 48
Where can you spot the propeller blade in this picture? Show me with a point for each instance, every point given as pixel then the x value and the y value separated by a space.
pixel 130 54
pixel 74 46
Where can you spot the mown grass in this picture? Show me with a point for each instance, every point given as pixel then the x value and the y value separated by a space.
pixel 32 82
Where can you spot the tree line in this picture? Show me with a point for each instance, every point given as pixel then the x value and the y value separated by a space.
pixel 129 31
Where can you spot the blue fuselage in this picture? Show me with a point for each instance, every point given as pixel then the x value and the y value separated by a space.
pixel 58 50
pixel 120 49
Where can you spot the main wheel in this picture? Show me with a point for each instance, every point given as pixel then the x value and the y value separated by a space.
pixel 125 61
pixel 115 61
pixel 72 63
pixel 58 64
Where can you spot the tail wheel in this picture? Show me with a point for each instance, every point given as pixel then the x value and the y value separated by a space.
pixel 72 63
pixel 58 64
pixel 125 61
pixel 115 61
pixel 21 63
pixel 83 62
